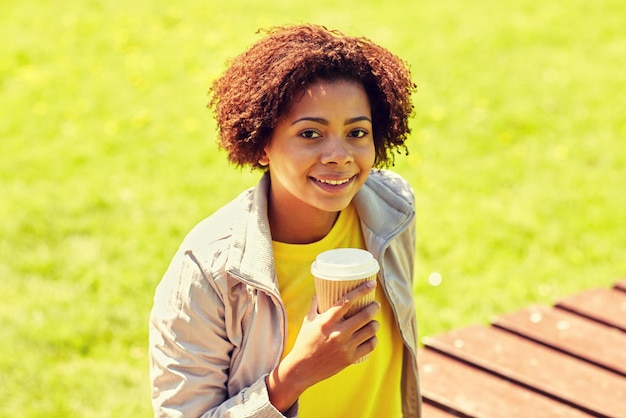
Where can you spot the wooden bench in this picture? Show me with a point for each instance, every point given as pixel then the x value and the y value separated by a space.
pixel 563 361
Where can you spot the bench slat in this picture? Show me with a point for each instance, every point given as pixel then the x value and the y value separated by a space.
pixel 472 392
pixel 563 377
pixel 569 333
pixel 607 306
pixel 431 411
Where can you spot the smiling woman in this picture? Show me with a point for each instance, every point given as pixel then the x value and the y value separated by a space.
pixel 316 111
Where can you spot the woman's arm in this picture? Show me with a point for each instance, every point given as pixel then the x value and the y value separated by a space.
pixel 190 351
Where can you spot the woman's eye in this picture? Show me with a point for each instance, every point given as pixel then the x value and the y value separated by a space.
pixel 358 133
pixel 310 134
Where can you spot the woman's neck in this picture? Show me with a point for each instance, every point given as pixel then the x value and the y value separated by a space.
pixel 299 225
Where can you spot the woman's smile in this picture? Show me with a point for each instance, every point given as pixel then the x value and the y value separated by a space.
pixel 334 185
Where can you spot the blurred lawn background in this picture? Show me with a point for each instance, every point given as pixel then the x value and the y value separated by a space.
pixel 108 158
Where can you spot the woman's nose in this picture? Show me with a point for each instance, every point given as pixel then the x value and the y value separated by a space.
pixel 336 151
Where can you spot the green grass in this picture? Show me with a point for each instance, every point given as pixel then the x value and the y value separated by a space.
pixel 108 158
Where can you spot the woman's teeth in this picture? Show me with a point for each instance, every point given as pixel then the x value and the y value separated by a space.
pixel 334 182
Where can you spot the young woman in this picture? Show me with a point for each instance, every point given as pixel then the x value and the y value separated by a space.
pixel 235 329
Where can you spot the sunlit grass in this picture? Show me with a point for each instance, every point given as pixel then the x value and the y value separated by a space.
pixel 108 158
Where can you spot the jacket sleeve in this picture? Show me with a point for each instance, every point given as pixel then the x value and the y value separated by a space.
pixel 190 351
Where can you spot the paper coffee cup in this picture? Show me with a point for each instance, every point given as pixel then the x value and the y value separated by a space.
pixel 337 272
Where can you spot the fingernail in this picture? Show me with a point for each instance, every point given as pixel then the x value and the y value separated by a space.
pixel 371 284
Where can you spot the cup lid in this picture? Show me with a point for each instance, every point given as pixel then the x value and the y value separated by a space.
pixel 344 264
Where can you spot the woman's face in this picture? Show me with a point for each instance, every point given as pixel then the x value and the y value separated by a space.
pixel 322 149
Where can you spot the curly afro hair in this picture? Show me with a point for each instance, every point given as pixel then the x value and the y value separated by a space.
pixel 259 85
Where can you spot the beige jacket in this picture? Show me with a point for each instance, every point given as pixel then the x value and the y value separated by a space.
pixel 218 324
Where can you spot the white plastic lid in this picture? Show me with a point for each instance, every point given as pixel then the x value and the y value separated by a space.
pixel 344 264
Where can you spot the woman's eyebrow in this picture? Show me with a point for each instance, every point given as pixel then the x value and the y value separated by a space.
pixel 357 119
pixel 323 121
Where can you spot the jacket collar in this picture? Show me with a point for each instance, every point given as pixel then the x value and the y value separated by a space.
pixel 251 257
pixel 385 207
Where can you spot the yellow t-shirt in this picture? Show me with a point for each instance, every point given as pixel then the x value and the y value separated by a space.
pixel 368 389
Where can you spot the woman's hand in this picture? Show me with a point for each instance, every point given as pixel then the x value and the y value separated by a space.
pixel 326 344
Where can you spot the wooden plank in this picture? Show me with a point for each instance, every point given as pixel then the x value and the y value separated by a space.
pixel 572 334
pixel 547 371
pixel 431 411
pixel 621 285
pixel 607 306
pixel 472 392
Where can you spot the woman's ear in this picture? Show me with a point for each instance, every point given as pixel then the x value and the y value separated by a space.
pixel 264 161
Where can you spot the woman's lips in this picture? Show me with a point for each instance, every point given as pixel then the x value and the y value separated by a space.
pixel 333 184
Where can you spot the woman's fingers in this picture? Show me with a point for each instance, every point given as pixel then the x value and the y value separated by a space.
pixel 312 310
pixel 365 335
pixel 359 330
pixel 343 305
pixel 366 347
